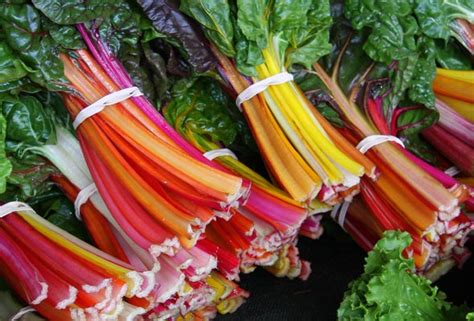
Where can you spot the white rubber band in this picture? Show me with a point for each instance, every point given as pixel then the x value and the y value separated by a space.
pixel 452 171
pixel 343 213
pixel 339 213
pixel 262 85
pixel 13 207
pixel 110 99
pixel 213 154
pixel 82 198
pixel 374 140
pixel 334 211
pixel 22 312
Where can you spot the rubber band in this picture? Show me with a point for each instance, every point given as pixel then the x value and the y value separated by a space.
pixel 452 171
pixel 82 198
pixel 339 213
pixel 374 140
pixel 213 154
pixel 22 312
pixel 334 211
pixel 261 86
pixel 343 213
pixel 108 100
pixel 13 207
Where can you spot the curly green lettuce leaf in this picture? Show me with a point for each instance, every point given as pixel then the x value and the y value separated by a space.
pixel 388 290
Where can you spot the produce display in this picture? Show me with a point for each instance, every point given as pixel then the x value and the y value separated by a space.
pixel 152 151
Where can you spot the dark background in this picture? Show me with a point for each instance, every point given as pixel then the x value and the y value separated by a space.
pixel 335 261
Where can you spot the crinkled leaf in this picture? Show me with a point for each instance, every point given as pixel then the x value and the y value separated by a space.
pixel 310 41
pixel 420 90
pixel 67 36
pixel 435 16
pixel 388 290
pixel 121 28
pixel 252 19
pixel 68 12
pixel 22 27
pixel 202 111
pixel 11 68
pixel 433 21
pixel 200 107
pixel 386 42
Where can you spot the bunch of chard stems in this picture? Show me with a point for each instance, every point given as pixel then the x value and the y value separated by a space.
pixel 409 194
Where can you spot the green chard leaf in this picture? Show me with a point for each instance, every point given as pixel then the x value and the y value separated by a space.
pixel 199 107
pixel 23 29
pixel 29 180
pixel 253 19
pixel 203 113
pixel 435 16
pixel 68 12
pixel 310 42
pixel 60 211
pixel 450 55
pixel 405 32
pixel 5 164
pixel 215 17
pixel 28 123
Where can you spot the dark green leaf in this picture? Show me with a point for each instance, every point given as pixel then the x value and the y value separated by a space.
pixel 68 12
pixel 60 212
pixel 452 56
pixel 168 20
pixel 28 124
pixel 23 30
pixel 203 112
pixel 120 29
pixel 29 181
pixel 435 16
pixel 11 68
pixel 67 36
pixel 5 165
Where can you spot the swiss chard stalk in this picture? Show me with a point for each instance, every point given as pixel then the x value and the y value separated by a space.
pixel 264 40
pixel 410 193
pixel 88 281
pixel 201 112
